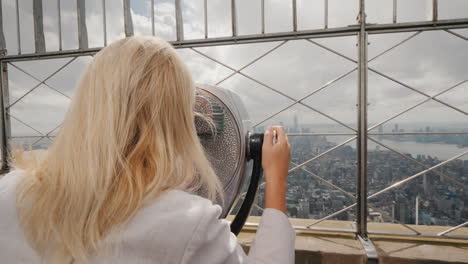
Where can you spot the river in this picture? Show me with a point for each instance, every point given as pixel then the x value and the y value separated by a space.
pixel 439 150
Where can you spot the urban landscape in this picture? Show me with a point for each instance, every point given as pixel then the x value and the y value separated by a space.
pixel 439 196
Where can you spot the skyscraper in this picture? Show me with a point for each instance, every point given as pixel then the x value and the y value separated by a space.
pixel 296 123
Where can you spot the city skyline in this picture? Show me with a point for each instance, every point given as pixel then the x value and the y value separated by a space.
pixel 443 201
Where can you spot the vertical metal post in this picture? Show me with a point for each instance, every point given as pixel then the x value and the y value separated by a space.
pixel 394 11
pixel 325 22
pixel 294 12
pixel 263 16
pixel 128 23
pixel 417 211
pixel 18 29
pixel 233 18
pixel 59 20
pixel 82 30
pixel 2 36
pixel 362 126
pixel 179 21
pixel 104 22
pixel 39 41
pixel 152 18
pixel 3 86
pixel 435 10
pixel 5 118
pixel 205 3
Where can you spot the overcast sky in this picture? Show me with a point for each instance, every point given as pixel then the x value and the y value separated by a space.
pixel 431 61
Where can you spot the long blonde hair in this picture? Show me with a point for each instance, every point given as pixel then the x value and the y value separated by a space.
pixel 128 136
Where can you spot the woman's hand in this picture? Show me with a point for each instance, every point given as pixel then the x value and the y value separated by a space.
pixel 276 155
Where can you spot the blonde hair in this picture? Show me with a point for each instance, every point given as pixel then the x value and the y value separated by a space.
pixel 128 136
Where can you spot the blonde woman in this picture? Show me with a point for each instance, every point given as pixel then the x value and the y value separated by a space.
pixel 116 186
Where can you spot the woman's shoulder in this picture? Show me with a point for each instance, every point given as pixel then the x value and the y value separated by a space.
pixel 164 227
pixel 13 246
pixel 8 184
pixel 9 181
pixel 173 209
pixel 185 199
pixel 177 205
pixel 175 213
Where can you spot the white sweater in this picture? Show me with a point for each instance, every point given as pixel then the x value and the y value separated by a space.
pixel 178 228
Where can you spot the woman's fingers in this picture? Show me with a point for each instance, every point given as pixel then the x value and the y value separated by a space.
pixel 275 135
pixel 268 137
pixel 280 134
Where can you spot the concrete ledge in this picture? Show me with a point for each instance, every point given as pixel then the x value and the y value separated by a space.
pixel 416 252
pixel 335 247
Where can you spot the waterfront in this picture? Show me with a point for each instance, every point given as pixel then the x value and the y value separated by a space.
pixel 439 150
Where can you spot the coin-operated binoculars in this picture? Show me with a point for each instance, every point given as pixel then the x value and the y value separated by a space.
pixel 233 150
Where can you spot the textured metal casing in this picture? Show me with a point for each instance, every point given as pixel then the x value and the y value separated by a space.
pixel 227 146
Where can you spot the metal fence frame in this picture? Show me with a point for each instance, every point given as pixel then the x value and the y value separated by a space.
pixel 361 134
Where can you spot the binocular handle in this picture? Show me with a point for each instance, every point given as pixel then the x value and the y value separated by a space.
pixel 255 153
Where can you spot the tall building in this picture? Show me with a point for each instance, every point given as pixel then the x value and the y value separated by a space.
pixel 304 208
pixel 380 131
pixel 296 123
pixel 401 213
pixel 425 185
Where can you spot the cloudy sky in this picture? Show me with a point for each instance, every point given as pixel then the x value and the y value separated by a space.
pixel 430 61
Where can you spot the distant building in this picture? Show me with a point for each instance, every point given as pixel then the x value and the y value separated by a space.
pixel 296 124
pixel 425 185
pixel 304 208
pixel 401 213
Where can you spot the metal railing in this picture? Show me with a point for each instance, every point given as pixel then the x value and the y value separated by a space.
pixel 362 133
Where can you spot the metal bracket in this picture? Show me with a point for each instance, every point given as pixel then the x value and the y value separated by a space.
pixel 369 248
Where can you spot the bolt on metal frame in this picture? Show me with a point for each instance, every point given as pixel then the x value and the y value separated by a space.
pixel 361 134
